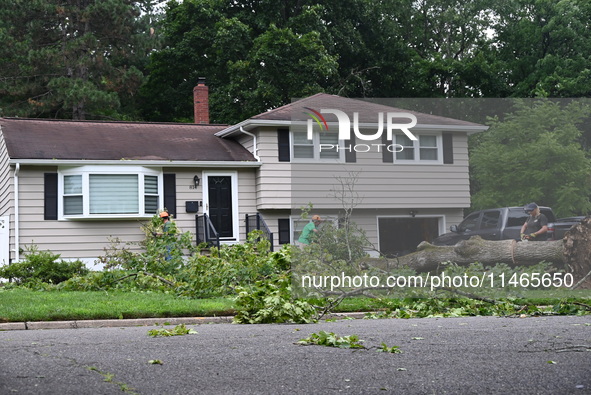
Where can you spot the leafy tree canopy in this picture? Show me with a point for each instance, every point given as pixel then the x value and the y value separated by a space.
pixel 73 59
pixel 259 54
pixel 542 47
pixel 534 155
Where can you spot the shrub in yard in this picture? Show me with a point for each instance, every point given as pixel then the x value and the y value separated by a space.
pixel 161 254
pixel 42 266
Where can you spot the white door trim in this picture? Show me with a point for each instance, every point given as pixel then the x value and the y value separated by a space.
pixel 235 205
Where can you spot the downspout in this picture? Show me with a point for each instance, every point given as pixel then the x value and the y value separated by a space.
pixel 16 214
pixel 254 143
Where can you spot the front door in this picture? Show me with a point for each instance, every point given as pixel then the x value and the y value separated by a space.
pixel 219 194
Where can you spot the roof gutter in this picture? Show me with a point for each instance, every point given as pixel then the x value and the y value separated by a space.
pixel 131 162
pixel 16 214
pixel 250 124
pixel 255 149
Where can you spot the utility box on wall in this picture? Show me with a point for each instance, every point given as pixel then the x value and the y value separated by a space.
pixel 192 206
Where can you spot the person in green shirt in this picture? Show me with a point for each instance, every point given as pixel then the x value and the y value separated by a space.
pixel 307 235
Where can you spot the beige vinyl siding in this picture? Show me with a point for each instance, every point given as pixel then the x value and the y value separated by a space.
pixel 246 141
pixel 70 239
pixel 274 178
pixel 271 218
pixel 367 219
pixel 86 239
pixel 387 185
pixel 378 185
pixel 185 192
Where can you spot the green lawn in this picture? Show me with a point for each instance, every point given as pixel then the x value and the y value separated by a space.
pixel 26 305
pixel 20 304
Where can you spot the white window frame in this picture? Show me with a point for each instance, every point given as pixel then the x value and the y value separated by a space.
pixel 416 150
pixel 86 171
pixel 297 224
pixel 315 148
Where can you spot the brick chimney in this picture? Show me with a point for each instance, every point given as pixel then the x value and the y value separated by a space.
pixel 201 101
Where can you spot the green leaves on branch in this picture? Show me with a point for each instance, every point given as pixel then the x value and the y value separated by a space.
pixel 330 339
pixel 178 330
pixel 271 301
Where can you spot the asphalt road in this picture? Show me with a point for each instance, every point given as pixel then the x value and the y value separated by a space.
pixel 472 355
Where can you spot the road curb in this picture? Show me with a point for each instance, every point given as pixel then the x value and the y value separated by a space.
pixel 82 324
pixel 113 323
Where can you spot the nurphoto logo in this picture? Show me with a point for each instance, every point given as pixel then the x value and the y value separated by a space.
pixel 344 133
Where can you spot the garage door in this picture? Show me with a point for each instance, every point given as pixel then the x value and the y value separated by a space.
pixel 400 236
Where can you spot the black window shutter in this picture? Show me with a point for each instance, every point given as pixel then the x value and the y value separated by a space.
pixel 350 156
pixel 387 155
pixel 284 230
pixel 283 145
pixel 50 196
pixel 448 148
pixel 170 193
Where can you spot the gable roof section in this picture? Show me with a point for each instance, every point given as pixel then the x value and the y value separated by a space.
pixel 45 139
pixel 367 110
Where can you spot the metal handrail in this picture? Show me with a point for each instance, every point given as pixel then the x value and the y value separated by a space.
pixel 205 231
pixel 259 224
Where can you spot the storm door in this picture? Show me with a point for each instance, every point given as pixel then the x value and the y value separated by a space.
pixel 220 203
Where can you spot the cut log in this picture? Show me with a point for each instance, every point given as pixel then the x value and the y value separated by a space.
pixel 523 253
pixel 577 252
pixel 573 253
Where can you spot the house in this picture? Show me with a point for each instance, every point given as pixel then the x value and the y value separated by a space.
pixel 71 186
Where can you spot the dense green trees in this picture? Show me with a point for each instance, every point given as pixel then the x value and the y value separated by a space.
pixel 89 59
pixel 542 47
pixel 77 59
pixel 534 154
pixel 73 59
pixel 259 54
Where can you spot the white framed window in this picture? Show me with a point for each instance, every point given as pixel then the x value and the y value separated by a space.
pixel 109 192
pixel 427 149
pixel 322 147
pixel 298 223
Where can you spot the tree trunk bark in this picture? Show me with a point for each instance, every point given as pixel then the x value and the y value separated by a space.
pixel 523 253
pixel 577 252
pixel 573 253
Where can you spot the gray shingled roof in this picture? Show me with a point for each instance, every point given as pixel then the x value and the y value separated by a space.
pixel 367 109
pixel 95 140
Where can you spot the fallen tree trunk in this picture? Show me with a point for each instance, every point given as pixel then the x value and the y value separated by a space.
pixel 573 253
pixel 577 252
pixel 428 257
